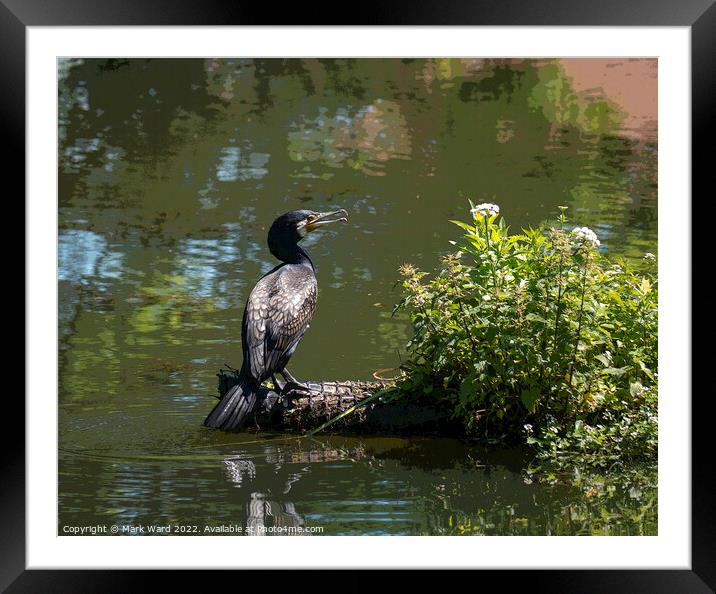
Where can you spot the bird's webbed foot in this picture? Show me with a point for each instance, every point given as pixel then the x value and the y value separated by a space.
pixel 294 388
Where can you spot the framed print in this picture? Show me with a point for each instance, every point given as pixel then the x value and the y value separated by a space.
pixel 466 232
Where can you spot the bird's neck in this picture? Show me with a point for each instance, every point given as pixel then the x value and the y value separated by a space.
pixel 293 254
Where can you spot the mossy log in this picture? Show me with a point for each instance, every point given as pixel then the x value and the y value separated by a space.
pixel 302 412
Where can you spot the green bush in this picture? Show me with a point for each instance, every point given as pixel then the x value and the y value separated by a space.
pixel 538 337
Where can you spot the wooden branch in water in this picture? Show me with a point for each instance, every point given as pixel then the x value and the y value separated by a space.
pixel 302 412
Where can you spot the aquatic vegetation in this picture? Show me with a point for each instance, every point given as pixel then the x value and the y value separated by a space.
pixel 538 337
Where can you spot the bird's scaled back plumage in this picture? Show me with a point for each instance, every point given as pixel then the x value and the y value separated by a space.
pixel 277 314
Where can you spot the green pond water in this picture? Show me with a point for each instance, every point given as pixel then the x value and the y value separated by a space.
pixel 170 173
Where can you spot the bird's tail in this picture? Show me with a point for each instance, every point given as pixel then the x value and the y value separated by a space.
pixel 234 407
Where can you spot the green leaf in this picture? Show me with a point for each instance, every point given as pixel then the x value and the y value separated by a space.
pixel 578 425
pixel 616 370
pixel 529 398
pixel 462 225
pixel 467 390
pixel 603 359
pixel 533 317
pixel 635 389
pixel 647 371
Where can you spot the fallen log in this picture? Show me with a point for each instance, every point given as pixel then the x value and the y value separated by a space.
pixel 302 412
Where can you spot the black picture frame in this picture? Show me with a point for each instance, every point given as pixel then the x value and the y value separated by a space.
pixel 17 15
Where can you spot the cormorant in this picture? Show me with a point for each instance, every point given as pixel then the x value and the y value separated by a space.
pixel 277 314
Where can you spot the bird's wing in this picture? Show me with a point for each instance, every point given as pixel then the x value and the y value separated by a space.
pixel 277 314
pixel 291 308
pixel 254 328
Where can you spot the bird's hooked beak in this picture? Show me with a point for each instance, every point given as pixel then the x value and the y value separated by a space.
pixel 319 219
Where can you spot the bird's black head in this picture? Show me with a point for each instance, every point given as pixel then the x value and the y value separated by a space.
pixel 288 229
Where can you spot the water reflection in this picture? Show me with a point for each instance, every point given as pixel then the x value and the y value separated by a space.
pixel 171 171
pixel 265 514
pixel 232 167
pixel 342 485
pixel 84 255
pixel 363 139
pixel 270 510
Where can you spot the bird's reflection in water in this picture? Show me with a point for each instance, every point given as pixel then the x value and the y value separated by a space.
pixel 279 468
pixel 264 514
pixel 239 468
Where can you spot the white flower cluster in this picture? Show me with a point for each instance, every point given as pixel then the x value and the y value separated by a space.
pixel 649 256
pixel 485 209
pixel 586 235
